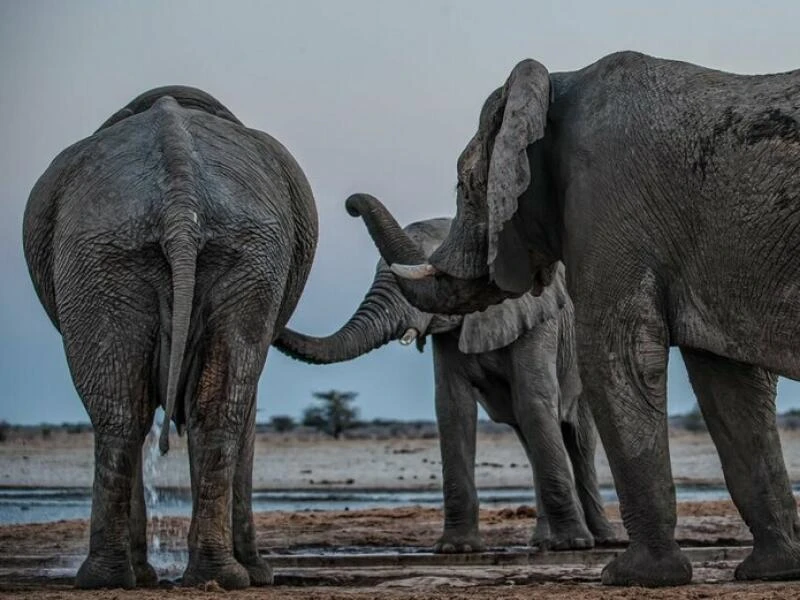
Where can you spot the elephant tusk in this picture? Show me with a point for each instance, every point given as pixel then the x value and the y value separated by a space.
pixel 409 336
pixel 413 271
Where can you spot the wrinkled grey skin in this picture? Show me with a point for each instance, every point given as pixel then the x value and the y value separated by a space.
pixel 517 360
pixel 168 249
pixel 671 193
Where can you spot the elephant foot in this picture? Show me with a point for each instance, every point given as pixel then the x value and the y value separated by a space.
pixel 575 537
pixel 541 533
pixel 455 543
pixel 230 575
pixel 604 535
pixel 146 575
pixel 639 566
pixel 259 570
pixel 95 573
pixel 771 562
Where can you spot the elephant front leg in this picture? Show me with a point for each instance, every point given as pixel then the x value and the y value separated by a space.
pixel 456 416
pixel 738 404
pixel 535 398
pixel 244 531
pixel 623 369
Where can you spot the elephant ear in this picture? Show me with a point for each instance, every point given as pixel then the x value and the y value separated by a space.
pixel 501 324
pixel 527 93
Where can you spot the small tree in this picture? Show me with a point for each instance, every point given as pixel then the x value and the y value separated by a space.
pixel 282 423
pixel 335 415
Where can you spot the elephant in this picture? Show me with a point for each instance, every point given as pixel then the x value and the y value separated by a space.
pixel 670 192
pixel 517 360
pixel 168 249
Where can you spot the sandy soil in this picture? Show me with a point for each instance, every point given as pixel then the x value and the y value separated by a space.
pixel 284 462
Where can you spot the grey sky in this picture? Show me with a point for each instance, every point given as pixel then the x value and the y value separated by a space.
pixel 368 96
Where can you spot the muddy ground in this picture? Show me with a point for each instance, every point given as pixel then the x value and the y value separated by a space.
pixel 396 530
pixel 284 462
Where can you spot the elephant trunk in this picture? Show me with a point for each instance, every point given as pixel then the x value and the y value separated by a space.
pixel 393 243
pixel 375 323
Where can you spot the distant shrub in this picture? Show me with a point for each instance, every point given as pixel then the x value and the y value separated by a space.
pixel 282 423
pixel 694 421
pixel 46 431
pixel 5 429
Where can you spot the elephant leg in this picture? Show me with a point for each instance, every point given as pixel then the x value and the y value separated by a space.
pixel 110 366
pixel 217 422
pixel 244 531
pixel 541 532
pixel 623 361
pixel 109 562
pixel 581 441
pixel 738 404
pixel 535 397
pixel 145 573
pixel 456 418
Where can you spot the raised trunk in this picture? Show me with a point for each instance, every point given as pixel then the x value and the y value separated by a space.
pixel 375 323
pixel 392 242
pixel 439 293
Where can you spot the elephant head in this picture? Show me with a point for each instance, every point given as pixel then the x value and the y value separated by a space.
pixel 385 314
pixel 505 239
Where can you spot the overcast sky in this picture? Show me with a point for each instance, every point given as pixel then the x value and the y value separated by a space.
pixel 367 95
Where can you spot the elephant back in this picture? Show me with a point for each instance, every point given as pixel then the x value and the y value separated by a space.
pixel 185 96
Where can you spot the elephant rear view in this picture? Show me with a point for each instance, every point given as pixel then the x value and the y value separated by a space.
pixel 167 249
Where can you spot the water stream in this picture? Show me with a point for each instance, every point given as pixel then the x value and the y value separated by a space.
pixel 161 558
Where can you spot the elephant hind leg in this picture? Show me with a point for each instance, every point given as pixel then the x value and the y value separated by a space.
pixel 219 423
pixel 738 404
pixel 145 573
pixel 109 346
pixel 245 548
pixel 580 438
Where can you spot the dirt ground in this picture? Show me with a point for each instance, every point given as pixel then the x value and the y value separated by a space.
pixel 282 533
pixel 418 590
pixel 288 463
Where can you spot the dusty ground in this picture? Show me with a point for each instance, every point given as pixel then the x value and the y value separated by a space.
pixel 285 462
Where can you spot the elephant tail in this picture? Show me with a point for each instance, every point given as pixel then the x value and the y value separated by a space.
pixel 182 260
pixel 180 242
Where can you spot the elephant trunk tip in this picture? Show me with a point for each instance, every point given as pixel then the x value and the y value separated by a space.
pixel 357 204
